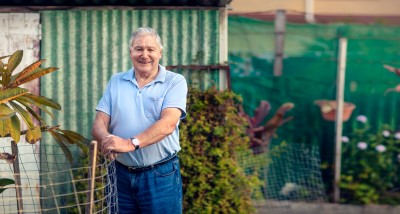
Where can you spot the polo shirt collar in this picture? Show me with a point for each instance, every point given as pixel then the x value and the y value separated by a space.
pixel 162 73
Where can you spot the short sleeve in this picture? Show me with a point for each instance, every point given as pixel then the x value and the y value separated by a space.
pixel 104 104
pixel 176 95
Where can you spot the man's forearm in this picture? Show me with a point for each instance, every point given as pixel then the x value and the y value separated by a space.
pixel 161 129
pixel 100 128
pixel 99 133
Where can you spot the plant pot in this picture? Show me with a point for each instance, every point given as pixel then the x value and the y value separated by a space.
pixel 328 109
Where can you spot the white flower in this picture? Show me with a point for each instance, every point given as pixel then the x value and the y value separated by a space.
pixel 345 139
pixel 398 157
pixel 380 148
pixel 386 133
pixel 288 188
pixel 362 118
pixel 362 145
pixel 397 135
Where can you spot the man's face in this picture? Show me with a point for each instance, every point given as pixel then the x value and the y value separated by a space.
pixel 145 54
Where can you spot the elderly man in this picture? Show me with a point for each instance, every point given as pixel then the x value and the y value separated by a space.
pixel 137 125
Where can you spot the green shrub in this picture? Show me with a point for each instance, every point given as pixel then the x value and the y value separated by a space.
pixel 213 131
pixel 371 165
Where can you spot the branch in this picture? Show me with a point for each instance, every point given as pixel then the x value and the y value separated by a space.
pixel 43 129
pixel 7 157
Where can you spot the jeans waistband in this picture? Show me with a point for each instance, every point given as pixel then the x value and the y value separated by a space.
pixel 144 168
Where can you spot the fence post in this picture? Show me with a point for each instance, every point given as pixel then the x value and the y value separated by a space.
pixel 280 26
pixel 92 175
pixel 339 115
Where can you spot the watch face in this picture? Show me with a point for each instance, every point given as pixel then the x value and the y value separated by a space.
pixel 135 142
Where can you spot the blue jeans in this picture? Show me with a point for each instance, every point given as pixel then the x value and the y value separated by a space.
pixel 156 190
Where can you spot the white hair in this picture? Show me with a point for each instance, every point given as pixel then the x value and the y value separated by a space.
pixel 145 31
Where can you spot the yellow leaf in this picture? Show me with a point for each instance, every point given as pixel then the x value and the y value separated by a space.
pixel 15 131
pixel 6 112
pixel 44 101
pixel 14 60
pixel 3 131
pixel 33 135
pixel 23 113
pixel 11 93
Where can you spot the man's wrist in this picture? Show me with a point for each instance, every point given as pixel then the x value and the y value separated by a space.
pixel 136 143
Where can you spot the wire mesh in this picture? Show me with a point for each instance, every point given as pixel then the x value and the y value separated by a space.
pixel 61 189
pixel 289 175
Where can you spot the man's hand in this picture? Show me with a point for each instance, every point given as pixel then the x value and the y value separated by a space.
pixel 112 145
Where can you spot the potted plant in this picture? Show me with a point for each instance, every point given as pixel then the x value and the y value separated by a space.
pixel 329 108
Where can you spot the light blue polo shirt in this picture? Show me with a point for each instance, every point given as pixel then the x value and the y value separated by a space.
pixel 133 110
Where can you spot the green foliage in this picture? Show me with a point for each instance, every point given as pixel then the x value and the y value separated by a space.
pixel 212 133
pixel 5 182
pixel 15 100
pixel 371 166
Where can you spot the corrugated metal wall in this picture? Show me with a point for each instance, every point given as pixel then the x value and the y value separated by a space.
pixel 89 46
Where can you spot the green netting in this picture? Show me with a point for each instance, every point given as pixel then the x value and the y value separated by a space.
pixel 309 73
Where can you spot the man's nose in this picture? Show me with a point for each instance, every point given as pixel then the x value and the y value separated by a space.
pixel 145 53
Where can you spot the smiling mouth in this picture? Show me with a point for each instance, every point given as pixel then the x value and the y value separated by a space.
pixel 145 62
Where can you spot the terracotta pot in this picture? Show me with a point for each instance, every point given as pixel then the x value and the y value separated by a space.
pixel 328 109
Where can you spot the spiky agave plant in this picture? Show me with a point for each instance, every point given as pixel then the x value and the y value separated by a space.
pixel 17 102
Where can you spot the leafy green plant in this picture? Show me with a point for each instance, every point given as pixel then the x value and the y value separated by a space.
pixel 16 102
pixel 212 133
pixel 371 165
pixel 5 182
pixel 261 135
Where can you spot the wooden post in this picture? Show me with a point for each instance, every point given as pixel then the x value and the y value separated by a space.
pixel 339 115
pixel 17 177
pixel 280 23
pixel 223 47
pixel 92 174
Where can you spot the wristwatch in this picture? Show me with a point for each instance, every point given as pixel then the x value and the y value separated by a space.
pixel 135 143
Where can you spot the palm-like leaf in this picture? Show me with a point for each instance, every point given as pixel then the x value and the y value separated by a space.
pixel 13 62
pixel 32 112
pixel 26 71
pixel 6 112
pixel 75 138
pixel 5 182
pixel 24 114
pixel 44 101
pixel 61 140
pixel 15 129
pixel 17 101
pixel 38 72
pixel 4 127
pixel 27 100
pixel 11 94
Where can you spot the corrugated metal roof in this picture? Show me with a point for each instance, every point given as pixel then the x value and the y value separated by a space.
pixel 203 3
